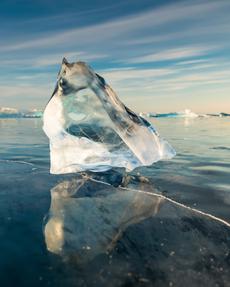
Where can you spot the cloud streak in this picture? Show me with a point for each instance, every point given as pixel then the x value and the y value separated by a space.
pixel 169 49
pixel 173 54
pixel 123 26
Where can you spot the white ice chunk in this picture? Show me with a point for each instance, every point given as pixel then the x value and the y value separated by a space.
pixel 91 129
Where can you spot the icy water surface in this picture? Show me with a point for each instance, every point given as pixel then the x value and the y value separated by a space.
pixel 112 229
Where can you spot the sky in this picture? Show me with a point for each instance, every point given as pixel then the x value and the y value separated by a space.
pixel 159 56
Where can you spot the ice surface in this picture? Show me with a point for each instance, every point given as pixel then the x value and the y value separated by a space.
pixel 96 226
pixel 91 129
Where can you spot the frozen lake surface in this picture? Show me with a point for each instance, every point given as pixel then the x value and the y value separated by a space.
pixel 163 225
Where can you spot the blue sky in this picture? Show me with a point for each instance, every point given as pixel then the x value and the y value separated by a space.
pixel 157 55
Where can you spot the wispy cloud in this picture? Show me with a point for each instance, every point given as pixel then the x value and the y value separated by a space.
pixel 24 96
pixel 172 54
pixel 192 62
pixel 169 49
pixel 52 59
pixel 123 26
pixel 149 81
pixel 134 74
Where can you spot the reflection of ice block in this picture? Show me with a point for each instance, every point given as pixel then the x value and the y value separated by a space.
pixel 95 227
pixel 91 129
pixel 87 218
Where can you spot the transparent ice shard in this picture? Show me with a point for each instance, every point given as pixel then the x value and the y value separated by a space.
pixel 91 129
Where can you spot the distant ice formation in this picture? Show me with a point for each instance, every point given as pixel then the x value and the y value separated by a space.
pixel 9 112
pixel 91 129
pixel 6 112
pixel 219 115
pixel 184 114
